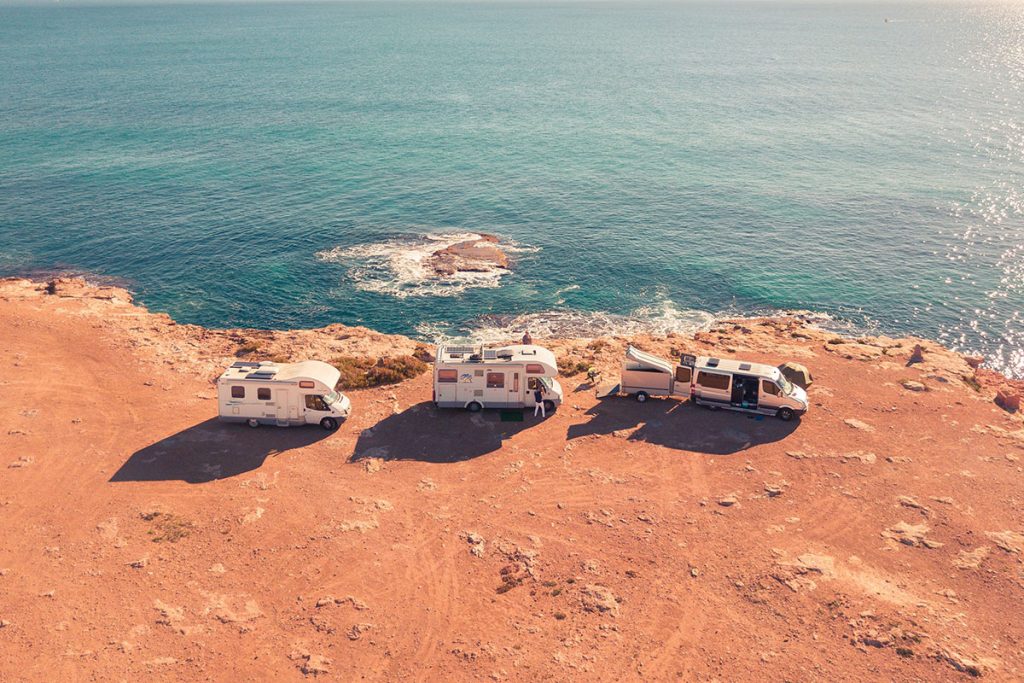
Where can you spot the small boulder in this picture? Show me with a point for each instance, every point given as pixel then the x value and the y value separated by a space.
pixel 911 385
pixel 595 598
pixel 1008 400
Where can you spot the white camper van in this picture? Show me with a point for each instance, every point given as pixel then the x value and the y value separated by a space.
pixel 477 377
pixel 714 382
pixel 282 394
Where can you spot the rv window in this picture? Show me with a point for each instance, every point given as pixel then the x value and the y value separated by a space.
pixel 448 376
pixel 534 369
pixel 263 394
pixel 712 380
pixel 532 382
pixel 769 387
pixel 683 374
pixel 237 392
pixel 314 402
pixel 495 380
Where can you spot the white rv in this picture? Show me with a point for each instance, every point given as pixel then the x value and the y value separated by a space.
pixel 282 394
pixel 714 382
pixel 477 377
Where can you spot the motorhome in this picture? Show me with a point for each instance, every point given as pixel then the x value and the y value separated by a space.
pixel 478 377
pixel 713 382
pixel 282 394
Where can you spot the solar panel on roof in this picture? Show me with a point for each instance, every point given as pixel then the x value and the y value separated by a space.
pixel 262 374
pixel 490 354
pixel 458 350
pixel 244 364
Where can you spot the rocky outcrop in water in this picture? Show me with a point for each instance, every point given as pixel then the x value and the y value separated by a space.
pixel 480 255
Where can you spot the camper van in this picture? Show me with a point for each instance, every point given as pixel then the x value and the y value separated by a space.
pixel 282 394
pixel 477 377
pixel 714 382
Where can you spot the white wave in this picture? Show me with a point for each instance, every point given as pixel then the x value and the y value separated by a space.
pixel 400 267
pixel 661 319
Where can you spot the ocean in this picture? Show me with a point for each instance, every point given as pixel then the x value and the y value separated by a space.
pixel 654 165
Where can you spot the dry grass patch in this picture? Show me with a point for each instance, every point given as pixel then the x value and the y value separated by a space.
pixel 167 527
pixel 363 372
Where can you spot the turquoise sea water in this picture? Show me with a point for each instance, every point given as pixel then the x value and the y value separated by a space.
pixel 655 163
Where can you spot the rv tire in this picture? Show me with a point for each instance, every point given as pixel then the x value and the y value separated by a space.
pixel 474 407
pixel 329 423
pixel 253 422
pixel 784 414
pixel 641 397
pixel 549 406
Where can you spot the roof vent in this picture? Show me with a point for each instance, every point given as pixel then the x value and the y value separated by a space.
pixel 712 362
pixel 744 366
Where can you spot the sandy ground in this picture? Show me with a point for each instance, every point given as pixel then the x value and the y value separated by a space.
pixel 879 538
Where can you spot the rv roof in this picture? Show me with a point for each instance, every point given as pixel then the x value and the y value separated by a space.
pixel 282 372
pixel 741 366
pixel 514 353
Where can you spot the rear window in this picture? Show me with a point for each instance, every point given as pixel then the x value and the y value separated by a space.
pixel 712 380
pixel 534 369
pixel 495 380
pixel 683 374
pixel 447 376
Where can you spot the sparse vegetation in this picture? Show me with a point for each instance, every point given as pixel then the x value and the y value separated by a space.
pixel 364 372
pixel 248 348
pixel 568 368
pixel 168 528
pixel 972 382
pixel 560 615
pixel 422 353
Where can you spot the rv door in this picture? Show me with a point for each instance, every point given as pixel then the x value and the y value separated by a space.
pixel 515 389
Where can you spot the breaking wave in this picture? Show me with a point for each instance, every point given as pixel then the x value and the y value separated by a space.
pixel 660 319
pixel 399 267
pixel 663 318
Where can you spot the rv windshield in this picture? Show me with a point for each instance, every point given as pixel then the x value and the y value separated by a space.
pixel 332 398
pixel 787 386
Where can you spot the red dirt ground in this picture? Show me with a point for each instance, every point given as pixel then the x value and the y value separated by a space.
pixel 879 538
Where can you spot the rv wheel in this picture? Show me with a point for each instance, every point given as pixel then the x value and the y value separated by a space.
pixel 785 414
pixel 253 422
pixel 329 423
pixel 474 407
pixel 549 406
pixel 641 397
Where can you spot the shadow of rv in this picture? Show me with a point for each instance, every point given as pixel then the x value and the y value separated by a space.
pixel 438 435
pixel 213 450
pixel 682 426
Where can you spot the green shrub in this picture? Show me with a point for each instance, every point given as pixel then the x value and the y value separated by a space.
pixel 363 372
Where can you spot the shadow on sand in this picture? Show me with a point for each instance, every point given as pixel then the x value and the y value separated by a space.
pixel 213 450
pixel 683 426
pixel 429 434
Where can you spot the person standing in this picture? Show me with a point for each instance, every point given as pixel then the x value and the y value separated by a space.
pixel 527 339
pixel 538 398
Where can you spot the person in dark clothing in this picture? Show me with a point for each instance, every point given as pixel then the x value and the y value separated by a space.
pixel 538 397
